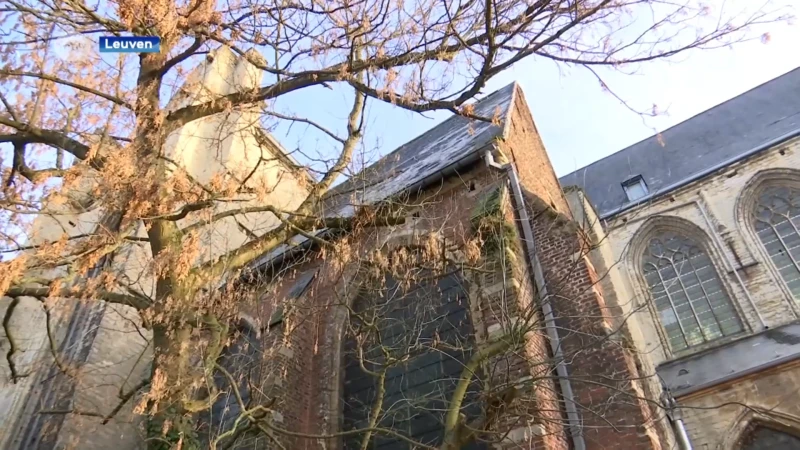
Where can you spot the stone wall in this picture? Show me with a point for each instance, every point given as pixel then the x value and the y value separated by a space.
pixel 103 357
pixel 715 211
pixel 727 237
pixel 111 349
pixel 716 418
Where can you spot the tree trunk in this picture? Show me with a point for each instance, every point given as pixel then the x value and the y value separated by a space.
pixel 180 431
pixel 170 425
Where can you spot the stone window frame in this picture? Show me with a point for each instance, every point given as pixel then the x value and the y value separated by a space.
pixel 750 418
pixel 347 291
pixel 635 252
pixel 745 203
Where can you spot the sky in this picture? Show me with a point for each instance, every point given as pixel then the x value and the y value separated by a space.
pixel 579 122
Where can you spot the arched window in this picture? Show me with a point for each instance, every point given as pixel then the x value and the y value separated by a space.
pixel 761 437
pixel 691 301
pixel 776 218
pixel 243 360
pixel 405 349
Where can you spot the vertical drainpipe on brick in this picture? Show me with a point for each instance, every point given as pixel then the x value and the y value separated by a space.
pixel 538 278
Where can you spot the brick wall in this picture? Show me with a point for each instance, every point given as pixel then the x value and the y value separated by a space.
pixel 524 147
pixel 546 392
pixel 312 379
pixel 287 378
pixel 603 371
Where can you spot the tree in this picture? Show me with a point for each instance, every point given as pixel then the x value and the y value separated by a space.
pixel 74 120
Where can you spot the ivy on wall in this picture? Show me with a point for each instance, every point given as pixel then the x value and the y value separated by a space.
pixel 489 221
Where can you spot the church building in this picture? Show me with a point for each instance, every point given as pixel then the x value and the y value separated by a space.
pixel 648 301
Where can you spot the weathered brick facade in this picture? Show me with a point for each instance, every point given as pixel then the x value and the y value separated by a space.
pixel 604 372
pixel 300 333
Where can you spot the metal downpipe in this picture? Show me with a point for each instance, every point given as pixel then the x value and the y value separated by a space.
pixel 675 417
pixel 573 417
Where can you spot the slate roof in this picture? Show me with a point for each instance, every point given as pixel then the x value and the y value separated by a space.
pixel 712 138
pixel 424 158
pixel 426 155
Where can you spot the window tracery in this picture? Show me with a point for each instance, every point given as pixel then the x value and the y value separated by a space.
pixel 405 346
pixel 692 303
pixel 776 219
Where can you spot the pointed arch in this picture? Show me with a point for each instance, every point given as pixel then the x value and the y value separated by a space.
pixel 767 437
pixel 768 213
pixel 381 316
pixel 753 430
pixel 676 265
pixel 243 378
pixel 407 345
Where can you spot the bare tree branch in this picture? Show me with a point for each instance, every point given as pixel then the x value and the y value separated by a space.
pixel 111 297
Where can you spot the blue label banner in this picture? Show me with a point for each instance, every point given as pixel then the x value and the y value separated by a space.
pixel 130 44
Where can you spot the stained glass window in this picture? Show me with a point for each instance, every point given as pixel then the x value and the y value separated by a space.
pixel 691 301
pixel 776 219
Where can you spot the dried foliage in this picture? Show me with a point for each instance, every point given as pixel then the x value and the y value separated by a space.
pixel 101 204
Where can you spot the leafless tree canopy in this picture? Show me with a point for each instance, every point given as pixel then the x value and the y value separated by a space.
pixel 72 119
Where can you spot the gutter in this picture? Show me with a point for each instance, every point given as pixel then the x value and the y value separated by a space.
pixel 467 160
pixel 771 143
pixel 573 418
pixel 683 435
pixel 768 365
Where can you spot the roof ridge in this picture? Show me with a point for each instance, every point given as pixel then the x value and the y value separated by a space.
pixel 507 119
pixel 708 110
pixel 425 133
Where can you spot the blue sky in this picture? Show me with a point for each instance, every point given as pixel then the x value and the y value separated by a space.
pixel 578 121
